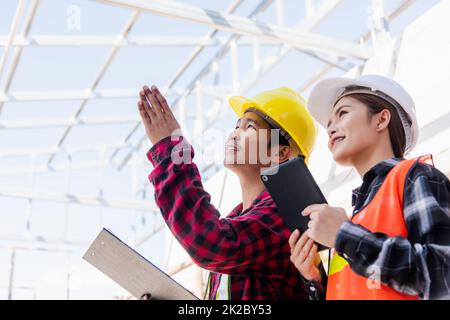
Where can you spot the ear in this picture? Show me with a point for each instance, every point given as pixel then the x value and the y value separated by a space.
pixel 285 153
pixel 382 120
pixel 280 154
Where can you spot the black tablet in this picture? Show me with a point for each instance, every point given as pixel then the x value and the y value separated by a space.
pixel 293 188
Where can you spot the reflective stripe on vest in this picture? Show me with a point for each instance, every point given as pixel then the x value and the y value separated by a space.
pixel 383 214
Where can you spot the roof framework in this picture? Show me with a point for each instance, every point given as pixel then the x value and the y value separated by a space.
pixel 334 53
pixel 189 88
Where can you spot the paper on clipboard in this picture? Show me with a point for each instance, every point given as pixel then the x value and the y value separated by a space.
pixel 131 270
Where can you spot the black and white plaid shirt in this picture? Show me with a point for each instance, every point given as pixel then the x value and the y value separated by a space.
pixel 418 265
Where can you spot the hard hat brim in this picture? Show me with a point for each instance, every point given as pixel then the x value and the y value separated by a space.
pixel 240 104
pixel 324 95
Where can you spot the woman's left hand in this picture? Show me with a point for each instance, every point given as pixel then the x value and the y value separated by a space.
pixel 325 223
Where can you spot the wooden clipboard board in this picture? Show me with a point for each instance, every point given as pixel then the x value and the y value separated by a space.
pixel 132 271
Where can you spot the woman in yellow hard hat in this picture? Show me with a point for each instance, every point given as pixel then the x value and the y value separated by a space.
pixel 396 245
pixel 247 252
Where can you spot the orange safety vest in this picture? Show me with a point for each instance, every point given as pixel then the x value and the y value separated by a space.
pixel 383 214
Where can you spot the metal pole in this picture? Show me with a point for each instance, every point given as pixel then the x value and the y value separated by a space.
pixel 68 190
pixel 234 65
pixel 12 33
pixel 18 53
pixel 11 274
pixel 279 6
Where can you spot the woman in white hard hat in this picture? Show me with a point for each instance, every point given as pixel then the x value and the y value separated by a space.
pixel 396 243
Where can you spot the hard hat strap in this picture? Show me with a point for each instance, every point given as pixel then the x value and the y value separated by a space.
pixel 271 123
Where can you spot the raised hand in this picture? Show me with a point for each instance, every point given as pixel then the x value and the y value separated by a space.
pixel 157 117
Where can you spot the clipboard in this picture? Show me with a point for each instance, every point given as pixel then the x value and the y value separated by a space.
pixel 132 271
pixel 293 188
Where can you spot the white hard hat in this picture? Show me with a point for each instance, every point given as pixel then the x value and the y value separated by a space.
pixel 327 92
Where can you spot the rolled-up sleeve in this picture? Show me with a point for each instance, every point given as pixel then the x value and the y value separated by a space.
pixel 254 243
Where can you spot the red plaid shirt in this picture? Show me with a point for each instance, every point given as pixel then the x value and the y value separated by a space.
pixel 250 246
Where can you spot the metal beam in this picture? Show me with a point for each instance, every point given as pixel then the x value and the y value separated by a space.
pixel 145 206
pixel 18 53
pixel 79 166
pixel 308 24
pixel 311 21
pixel 12 33
pixel 52 123
pixel 11 274
pixel 38 243
pixel 89 165
pixel 132 41
pixel 31 96
pixel 322 72
pixel 199 49
pixel 156 229
pixel 192 84
pixel 19 152
pixel 244 26
pixel 110 57
pixel 196 52
pixel 180 267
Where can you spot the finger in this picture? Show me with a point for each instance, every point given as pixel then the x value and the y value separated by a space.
pixel 310 209
pixel 299 245
pixel 144 115
pixel 293 239
pixel 142 96
pixel 153 101
pixel 162 101
pixel 303 239
pixel 147 107
pixel 305 251
pixel 143 99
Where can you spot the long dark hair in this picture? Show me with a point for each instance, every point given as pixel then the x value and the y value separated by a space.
pixel 396 132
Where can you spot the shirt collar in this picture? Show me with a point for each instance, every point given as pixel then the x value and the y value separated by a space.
pixel 381 169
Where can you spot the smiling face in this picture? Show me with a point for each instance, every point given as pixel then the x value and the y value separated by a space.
pixel 353 133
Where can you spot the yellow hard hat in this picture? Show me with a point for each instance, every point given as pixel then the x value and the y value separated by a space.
pixel 287 109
